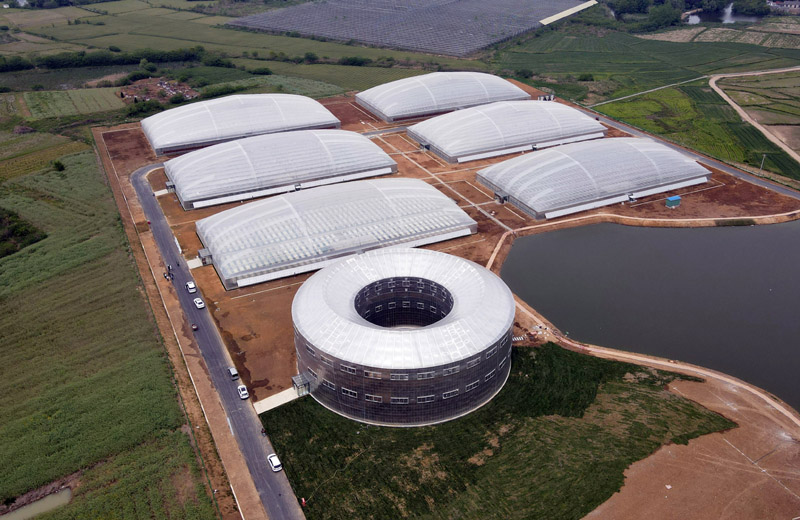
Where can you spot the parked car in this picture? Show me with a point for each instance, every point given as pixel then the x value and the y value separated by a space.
pixel 194 326
pixel 199 303
pixel 191 287
pixel 274 462
pixel 242 391
pixel 233 373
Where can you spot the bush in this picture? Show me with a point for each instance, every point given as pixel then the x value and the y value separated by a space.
pixel 524 73
pixel 145 107
pixel 310 57
pixel 37 87
pixel 114 48
pixel 261 71
pixel 586 77
pixel 177 99
pixel 354 61
pixel 58 166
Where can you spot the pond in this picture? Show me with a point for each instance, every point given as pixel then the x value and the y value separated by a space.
pixel 43 505
pixel 725 298
pixel 725 16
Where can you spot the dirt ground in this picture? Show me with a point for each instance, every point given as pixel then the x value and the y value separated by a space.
pixel 749 472
pixel 255 322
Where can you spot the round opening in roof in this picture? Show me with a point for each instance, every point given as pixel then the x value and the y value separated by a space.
pixel 403 302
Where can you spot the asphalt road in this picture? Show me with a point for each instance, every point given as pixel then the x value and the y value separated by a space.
pixel 273 488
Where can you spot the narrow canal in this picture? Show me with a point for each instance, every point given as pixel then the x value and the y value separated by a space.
pixel 724 298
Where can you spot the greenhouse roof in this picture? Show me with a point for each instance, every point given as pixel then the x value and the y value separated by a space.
pixel 209 122
pixel 304 230
pixel 324 314
pixel 274 163
pixel 590 174
pixel 504 127
pixel 436 92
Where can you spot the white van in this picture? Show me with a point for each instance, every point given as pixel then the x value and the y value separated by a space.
pixel 233 373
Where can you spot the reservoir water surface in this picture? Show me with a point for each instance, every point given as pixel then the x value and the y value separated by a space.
pixel 726 298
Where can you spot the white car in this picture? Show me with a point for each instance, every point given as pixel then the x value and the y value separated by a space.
pixel 242 391
pixel 274 463
pixel 199 303
pixel 191 287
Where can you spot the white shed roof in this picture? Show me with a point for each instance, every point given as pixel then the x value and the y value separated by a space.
pixel 273 163
pixel 323 310
pixel 304 230
pixel 437 92
pixel 581 173
pixel 506 125
pixel 208 122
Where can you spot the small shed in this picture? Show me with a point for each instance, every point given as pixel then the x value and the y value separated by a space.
pixel 674 201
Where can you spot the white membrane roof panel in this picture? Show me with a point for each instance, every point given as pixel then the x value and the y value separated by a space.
pixel 578 173
pixel 272 160
pixel 312 226
pixel 233 117
pixel 503 125
pixel 324 313
pixel 438 92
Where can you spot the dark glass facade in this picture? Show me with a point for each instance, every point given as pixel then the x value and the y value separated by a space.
pixel 404 397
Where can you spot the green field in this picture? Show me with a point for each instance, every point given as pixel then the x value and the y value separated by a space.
pixel 59 79
pixel 84 379
pixel 25 153
pixel 57 103
pixel 278 83
pixel 15 233
pixel 773 99
pixel 623 64
pixel 553 444
pixel 347 77
pixel 693 115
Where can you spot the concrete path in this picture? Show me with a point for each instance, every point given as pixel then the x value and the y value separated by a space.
pixel 744 115
pixel 274 401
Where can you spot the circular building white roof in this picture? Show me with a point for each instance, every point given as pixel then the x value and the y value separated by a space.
pixel 437 92
pixel 324 312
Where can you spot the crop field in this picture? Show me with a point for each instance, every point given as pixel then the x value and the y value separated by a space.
pixel 84 379
pixel 623 64
pixel 278 83
pixel 346 77
pixel 553 444
pixel 36 158
pixel 693 115
pixel 59 79
pixel 436 28
pixel 136 30
pixel 57 103
pixel 32 18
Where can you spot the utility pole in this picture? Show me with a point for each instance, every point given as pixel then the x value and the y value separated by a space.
pixel 763 156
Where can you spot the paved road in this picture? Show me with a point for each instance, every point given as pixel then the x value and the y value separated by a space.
pixel 273 488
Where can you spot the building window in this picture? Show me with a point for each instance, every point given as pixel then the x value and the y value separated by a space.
pixel 450 370
pixel 425 399
pixel 491 352
pixel 473 362
pixel 311 351
pixel 421 306
pixel 310 371
pixel 372 375
pixel 325 361
pixel 451 393
pixel 432 309
pixel 399 377
pixel 392 305
pixel 399 400
pixel 420 285
pixel 425 375
pixel 349 393
pixel 472 386
pixel 406 305
pixel 378 308
pixel 328 384
pixel 489 376
pixel 348 369
pixel 406 283
pixel 373 398
pixel 502 362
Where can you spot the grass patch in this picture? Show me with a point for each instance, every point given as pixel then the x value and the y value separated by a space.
pixel 35 158
pixel 15 233
pixel 59 79
pixel 553 444
pixel 84 378
pixel 694 116
pixel 623 64
pixel 276 83
pixel 60 103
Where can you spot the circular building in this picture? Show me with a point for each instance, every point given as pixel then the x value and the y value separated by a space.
pixel 403 337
